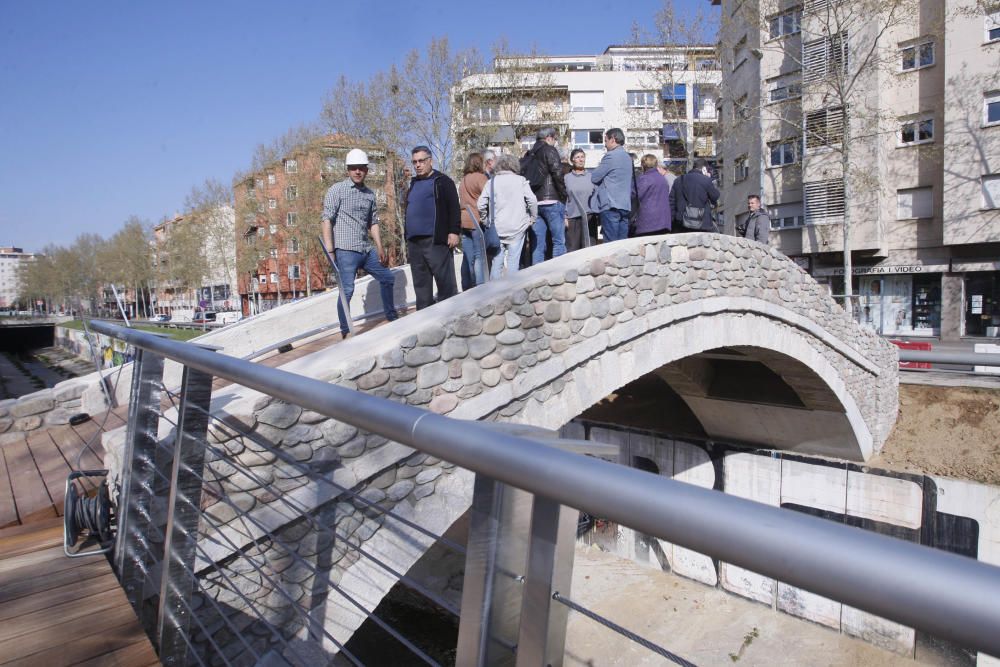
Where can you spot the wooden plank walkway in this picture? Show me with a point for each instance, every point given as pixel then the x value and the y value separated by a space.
pixel 60 611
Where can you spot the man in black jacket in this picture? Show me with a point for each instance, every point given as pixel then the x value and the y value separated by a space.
pixel 433 224
pixel 551 197
pixel 695 190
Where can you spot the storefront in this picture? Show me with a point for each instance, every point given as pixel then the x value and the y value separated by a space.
pixel 894 299
pixel 981 297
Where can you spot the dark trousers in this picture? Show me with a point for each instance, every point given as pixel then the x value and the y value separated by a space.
pixel 430 263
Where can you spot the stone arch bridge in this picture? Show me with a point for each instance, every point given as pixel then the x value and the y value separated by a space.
pixel 754 345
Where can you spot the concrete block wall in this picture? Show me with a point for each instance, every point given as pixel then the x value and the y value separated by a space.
pixel 954 515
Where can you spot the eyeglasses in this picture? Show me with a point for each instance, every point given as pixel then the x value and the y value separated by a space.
pixel 420 160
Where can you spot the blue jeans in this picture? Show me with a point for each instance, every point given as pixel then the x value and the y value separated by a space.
pixel 510 254
pixel 473 257
pixel 614 224
pixel 551 217
pixel 348 263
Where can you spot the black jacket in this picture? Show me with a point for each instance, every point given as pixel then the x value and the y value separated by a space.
pixel 693 189
pixel 448 211
pixel 554 186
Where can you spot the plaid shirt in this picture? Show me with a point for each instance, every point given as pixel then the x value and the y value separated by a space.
pixel 352 210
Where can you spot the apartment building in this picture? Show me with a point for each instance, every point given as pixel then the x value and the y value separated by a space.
pixel 278 208
pixel 216 290
pixel 11 259
pixel 664 98
pixel 886 112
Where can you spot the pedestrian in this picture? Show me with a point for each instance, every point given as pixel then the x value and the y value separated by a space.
pixel 432 229
pixel 489 158
pixel 612 197
pixel 668 175
pixel 473 245
pixel 551 196
pixel 507 201
pixel 757 224
pixel 578 214
pixel 353 233
pixel 692 199
pixel 654 200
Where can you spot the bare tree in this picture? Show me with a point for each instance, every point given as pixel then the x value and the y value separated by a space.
pixel 840 48
pixel 209 207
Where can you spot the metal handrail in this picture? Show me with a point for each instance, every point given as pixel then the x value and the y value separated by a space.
pixel 963 358
pixel 947 595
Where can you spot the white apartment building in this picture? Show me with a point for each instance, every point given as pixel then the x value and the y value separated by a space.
pixel 921 124
pixel 663 98
pixel 10 260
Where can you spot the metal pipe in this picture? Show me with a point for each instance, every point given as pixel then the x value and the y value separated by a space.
pixel 964 358
pixel 949 596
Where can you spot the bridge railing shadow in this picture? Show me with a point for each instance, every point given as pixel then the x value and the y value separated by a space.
pixel 271 538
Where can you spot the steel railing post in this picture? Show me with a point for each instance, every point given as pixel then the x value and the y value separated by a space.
pixel 134 556
pixel 183 512
pixel 542 634
pixel 495 555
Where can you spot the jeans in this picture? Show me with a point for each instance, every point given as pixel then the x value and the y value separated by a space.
pixel 614 224
pixel 348 263
pixel 510 254
pixel 551 217
pixel 430 263
pixel 473 257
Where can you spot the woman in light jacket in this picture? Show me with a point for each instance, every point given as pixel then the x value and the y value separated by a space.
pixel 469 189
pixel 508 199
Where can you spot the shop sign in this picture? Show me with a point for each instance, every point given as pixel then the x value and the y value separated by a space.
pixel 883 269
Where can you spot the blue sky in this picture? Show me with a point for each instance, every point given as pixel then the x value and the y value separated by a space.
pixel 115 108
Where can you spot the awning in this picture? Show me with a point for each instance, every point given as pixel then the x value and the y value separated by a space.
pixel 674 131
pixel 914 266
pixel 677 91
pixel 967 265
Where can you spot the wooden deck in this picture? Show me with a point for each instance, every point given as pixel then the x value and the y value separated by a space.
pixel 56 610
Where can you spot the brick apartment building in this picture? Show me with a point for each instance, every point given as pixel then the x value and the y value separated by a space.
pixel 278 210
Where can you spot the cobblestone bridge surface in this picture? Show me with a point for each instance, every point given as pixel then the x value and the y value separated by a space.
pixel 537 348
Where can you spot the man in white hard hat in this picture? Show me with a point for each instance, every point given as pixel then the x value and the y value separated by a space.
pixel 350 208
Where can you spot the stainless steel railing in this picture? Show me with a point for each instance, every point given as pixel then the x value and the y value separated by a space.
pixel 946 595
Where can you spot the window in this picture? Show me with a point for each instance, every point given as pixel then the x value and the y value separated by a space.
pixel 592 139
pixel 528 109
pixel 824 127
pixel 250 189
pixel 260 207
pixel 259 182
pixel 741 169
pixel 786 151
pixel 248 240
pixel 272 203
pixel 291 166
pixel 993 26
pixel 261 232
pixel 271 179
pixel 293 272
pixel 783 89
pixel 785 216
pixel 274 278
pixel 273 253
pixel 291 219
pixel 333 164
pixel 914 203
pixel 740 52
pixel 991 108
pixel 485 114
pixel 741 109
pixel 787 23
pixel 824 201
pixel 991 190
pixel 273 229
pixel 641 99
pixel 643 139
pixel 586 101
pixel 824 57
pixel 917 56
pixel 916 131
pixel 292 246
pixel 262 279
pixel 291 192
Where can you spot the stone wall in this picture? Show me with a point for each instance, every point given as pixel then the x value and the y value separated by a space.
pixel 21 417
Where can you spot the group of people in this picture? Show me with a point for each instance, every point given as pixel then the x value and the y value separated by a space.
pixel 501 204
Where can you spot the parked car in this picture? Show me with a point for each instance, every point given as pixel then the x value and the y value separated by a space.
pixel 161 318
pixel 203 317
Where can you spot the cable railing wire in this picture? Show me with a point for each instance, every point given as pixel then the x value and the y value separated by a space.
pixel 624 632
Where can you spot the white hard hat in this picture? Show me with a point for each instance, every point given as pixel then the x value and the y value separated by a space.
pixel 356 156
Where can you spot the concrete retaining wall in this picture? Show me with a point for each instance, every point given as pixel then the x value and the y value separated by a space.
pixel 948 514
